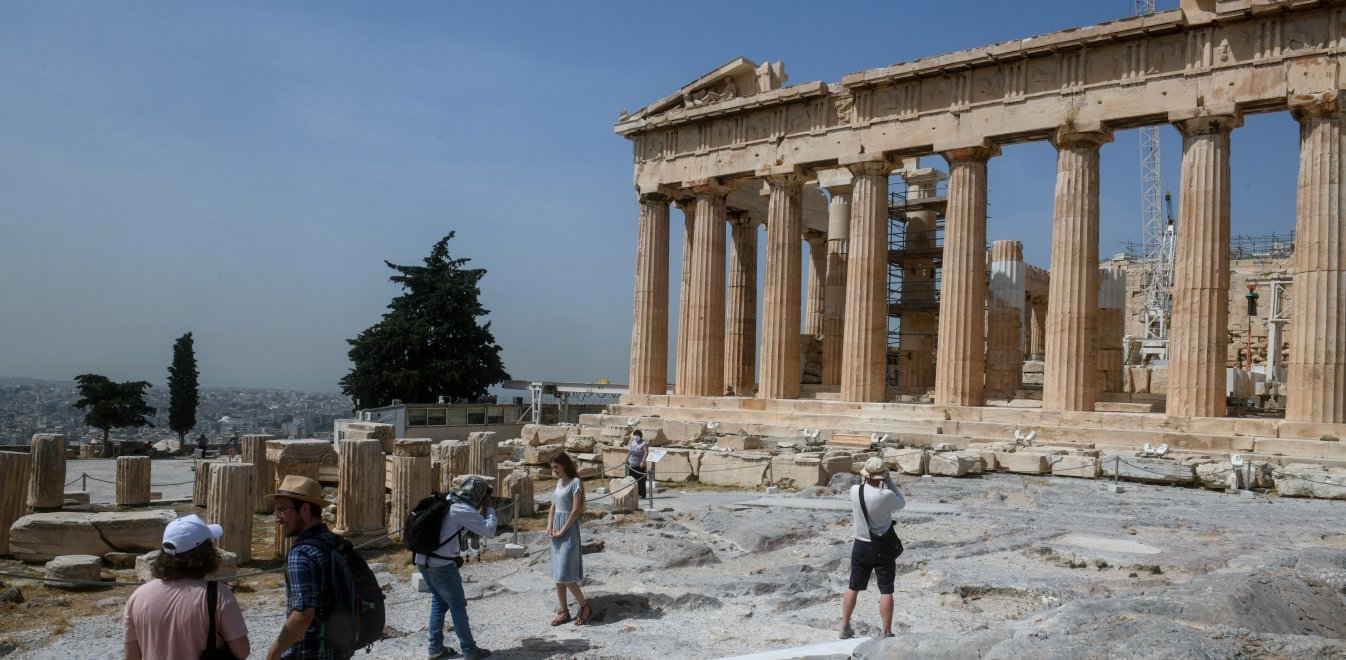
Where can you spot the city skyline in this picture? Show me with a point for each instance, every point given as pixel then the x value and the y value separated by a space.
pixel 242 171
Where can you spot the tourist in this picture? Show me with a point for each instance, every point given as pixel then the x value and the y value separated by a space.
pixel 637 460
pixel 563 528
pixel 472 511
pixel 298 506
pixel 233 447
pixel 876 547
pixel 202 443
pixel 167 616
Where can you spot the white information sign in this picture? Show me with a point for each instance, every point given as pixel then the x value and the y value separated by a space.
pixel 655 454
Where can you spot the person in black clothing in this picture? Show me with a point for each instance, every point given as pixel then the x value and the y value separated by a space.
pixel 201 443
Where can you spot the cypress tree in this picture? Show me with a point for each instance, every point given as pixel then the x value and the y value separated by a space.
pixel 183 394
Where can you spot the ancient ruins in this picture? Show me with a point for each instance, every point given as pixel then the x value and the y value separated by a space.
pixel 958 361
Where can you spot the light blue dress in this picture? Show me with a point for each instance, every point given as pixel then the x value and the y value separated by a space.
pixel 566 564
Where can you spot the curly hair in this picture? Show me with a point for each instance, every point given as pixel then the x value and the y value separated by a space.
pixel 563 459
pixel 195 564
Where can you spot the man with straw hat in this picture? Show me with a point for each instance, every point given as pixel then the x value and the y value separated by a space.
pixel 298 506
pixel 873 502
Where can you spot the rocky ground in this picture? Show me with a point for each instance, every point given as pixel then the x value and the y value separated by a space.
pixel 995 566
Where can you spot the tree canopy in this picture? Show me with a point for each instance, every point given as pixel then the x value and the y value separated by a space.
pixel 430 342
pixel 112 405
pixel 183 393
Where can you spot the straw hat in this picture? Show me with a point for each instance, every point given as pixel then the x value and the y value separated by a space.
pixel 874 468
pixel 302 489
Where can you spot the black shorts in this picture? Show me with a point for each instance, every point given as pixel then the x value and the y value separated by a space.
pixel 864 560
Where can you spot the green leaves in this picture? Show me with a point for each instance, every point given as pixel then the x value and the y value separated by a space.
pixel 111 405
pixel 183 393
pixel 430 342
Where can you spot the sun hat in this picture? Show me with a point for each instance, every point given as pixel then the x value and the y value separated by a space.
pixel 874 468
pixel 302 489
pixel 187 533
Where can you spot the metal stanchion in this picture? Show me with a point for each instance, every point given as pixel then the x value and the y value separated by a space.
pixel 516 517
pixel 650 485
pixel 84 482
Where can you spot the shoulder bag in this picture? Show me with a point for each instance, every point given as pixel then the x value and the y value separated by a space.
pixel 887 544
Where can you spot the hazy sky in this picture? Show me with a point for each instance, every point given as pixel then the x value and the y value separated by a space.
pixel 241 170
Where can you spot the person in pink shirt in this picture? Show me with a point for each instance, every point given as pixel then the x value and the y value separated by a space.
pixel 167 617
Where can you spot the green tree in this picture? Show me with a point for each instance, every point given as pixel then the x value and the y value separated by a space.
pixel 429 342
pixel 183 394
pixel 112 405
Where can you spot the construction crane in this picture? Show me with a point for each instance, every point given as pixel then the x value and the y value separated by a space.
pixel 1158 241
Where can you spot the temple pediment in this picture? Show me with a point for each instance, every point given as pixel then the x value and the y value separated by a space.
pixel 737 78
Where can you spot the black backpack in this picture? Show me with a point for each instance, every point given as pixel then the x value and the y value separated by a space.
pixel 355 616
pixel 420 531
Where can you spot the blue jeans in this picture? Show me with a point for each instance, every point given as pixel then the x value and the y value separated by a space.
pixel 446 592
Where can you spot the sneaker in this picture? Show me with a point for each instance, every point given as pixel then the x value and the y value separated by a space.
pixel 479 653
pixel 445 652
pixel 847 632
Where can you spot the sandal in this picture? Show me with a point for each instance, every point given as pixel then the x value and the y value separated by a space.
pixel 584 615
pixel 562 616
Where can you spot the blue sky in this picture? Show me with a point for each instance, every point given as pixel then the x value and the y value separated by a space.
pixel 241 170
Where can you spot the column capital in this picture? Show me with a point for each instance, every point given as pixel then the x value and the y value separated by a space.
pixel 924 176
pixel 1323 104
pixel 710 186
pixel 836 180
pixel 867 164
pixel 813 237
pixel 1069 137
pixel 789 175
pixel 1206 120
pixel 655 197
pixel 653 192
pixel 979 152
pixel 738 217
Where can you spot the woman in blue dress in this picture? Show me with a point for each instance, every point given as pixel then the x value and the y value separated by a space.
pixel 563 528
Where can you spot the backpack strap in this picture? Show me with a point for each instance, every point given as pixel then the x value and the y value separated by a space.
pixel 211 597
pixel 865 510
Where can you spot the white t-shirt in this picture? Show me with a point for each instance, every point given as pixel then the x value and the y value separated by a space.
pixel 460 516
pixel 882 504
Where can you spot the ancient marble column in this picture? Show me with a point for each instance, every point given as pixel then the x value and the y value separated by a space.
pixel 201 481
pixel 920 325
pixel 16 472
pixel 864 348
pixel 47 487
pixel 1316 387
pixel 814 299
pixel 359 510
pixel 453 461
pixel 300 457
pixel 960 362
pixel 740 348
pixel 649 330
pixel 1004 319
pixel 519 487
pixel 780 294
pixel 834 294
pixel 229 505
pixel 254 454
pixel 1037 329
pixel 1070 370
pixel 1199 330
pixel 1111 328
pixel 688 207
pixel 411 478
pixel 705 296
pixel 483 453
pixel 133 480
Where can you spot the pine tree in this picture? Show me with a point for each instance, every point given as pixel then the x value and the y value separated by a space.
pixel 183 394
pixel 429 343
pixel 112 405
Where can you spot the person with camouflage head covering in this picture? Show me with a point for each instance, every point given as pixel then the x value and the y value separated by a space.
pixel 473 511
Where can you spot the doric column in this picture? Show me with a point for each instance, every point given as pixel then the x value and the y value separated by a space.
pixel 916 340
pixel 133 480
pixel 229 505
pixel 649 329
pixel 687 206
pixel 834 294
pixel 201 481
pixel 300 457
pixel 1199 331
pixel 780 304
pixel 483 452
pixel 814 299
pixel 1070 370
pixel 1037 329
pixel 453 461
pixel 864 349
pixel 1111 328
pixel 15 475
pixel 519 487
pixel 1004 319
pixel 47 489
pixel 411 478
pixel 740 348
pixel 705 296
pixel 1316 384
pixel 359 513
pixel 254 454
pixel 961 358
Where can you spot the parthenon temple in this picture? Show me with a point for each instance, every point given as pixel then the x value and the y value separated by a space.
pixel 814 163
